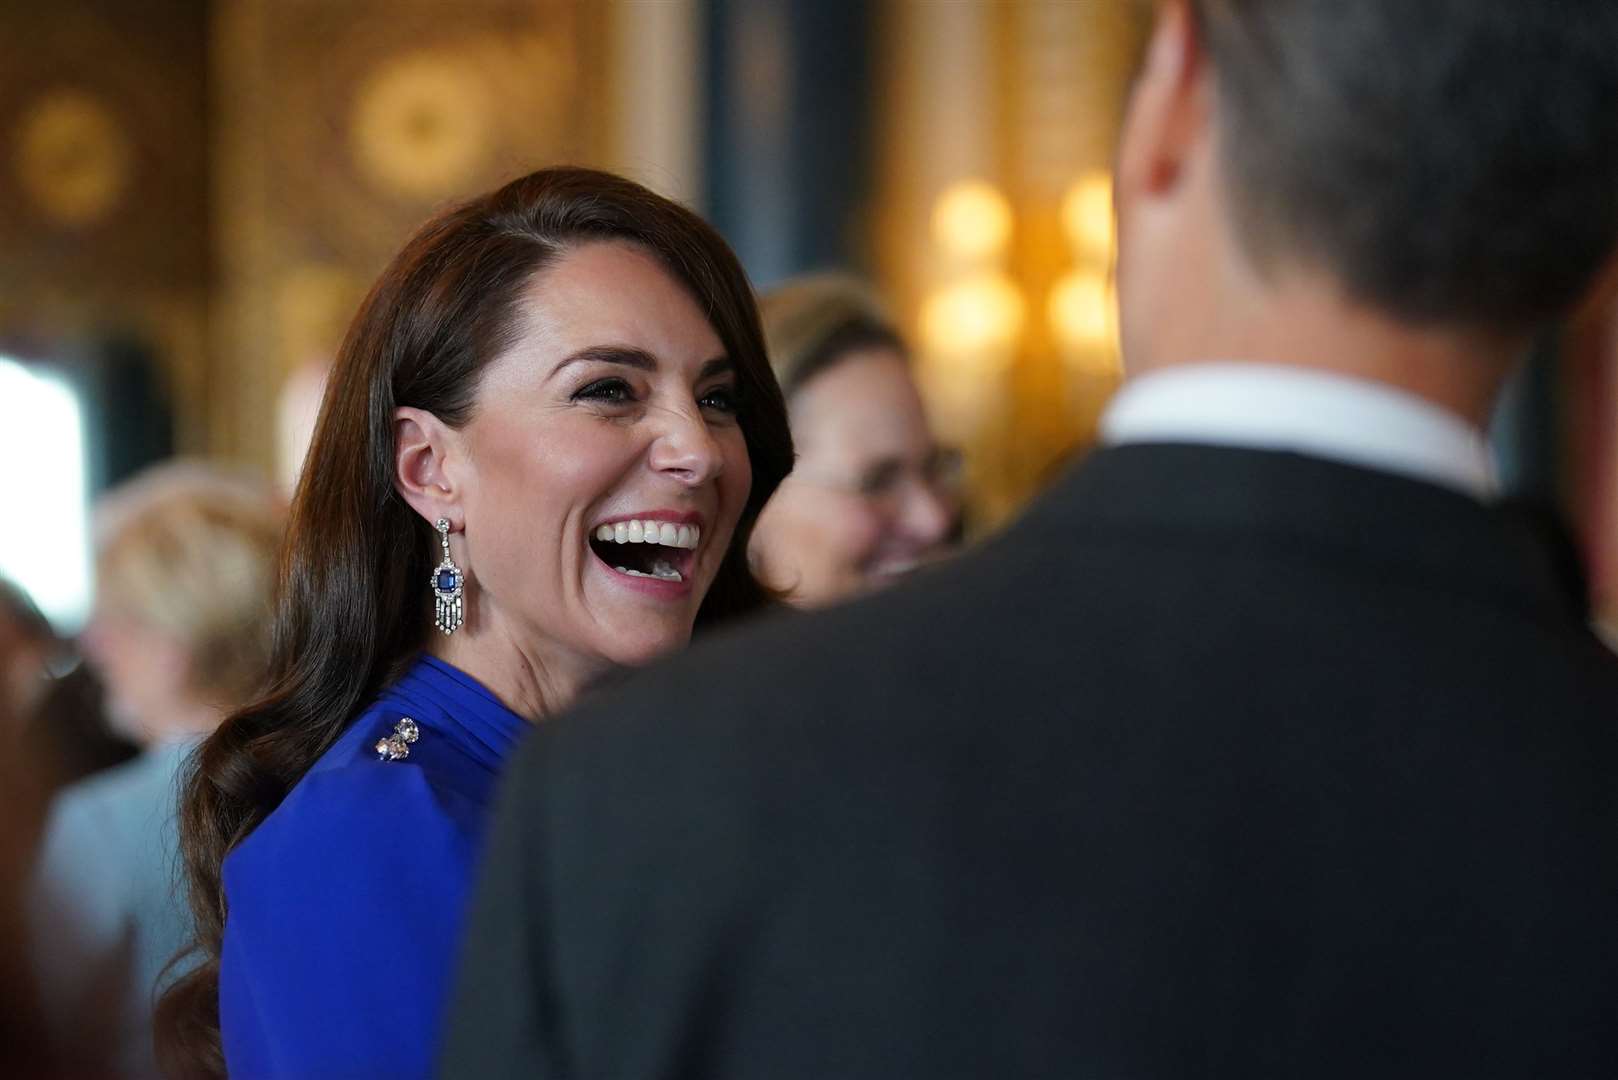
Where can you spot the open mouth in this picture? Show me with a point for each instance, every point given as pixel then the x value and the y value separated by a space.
pixel 647 549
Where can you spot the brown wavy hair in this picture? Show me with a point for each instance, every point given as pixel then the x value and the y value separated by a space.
pixel 352 609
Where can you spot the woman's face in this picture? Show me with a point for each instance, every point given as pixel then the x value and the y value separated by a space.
pixel 604 468
pixel 870 497
pixel 146 673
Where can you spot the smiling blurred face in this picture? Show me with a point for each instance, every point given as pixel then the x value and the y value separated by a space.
pixel 871 496
pixel 605 467
pixel 145 670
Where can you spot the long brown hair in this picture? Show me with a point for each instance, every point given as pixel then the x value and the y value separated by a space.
pixel 352 608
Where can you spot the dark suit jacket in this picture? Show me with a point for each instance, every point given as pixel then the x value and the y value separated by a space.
pixel 1220 763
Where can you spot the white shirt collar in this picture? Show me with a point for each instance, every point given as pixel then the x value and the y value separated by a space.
pixel 1322 414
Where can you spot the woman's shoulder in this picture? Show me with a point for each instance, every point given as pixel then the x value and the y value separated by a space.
pixel 349 893
pixel 358 809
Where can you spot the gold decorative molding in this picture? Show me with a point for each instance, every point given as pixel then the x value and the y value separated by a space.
pixel 1020 102
pixel 422 125
pixel 103 191
pixel 72 157
pixel 343 127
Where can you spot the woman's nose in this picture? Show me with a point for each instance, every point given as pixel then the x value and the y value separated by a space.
pixel 686 450
pixel 926 514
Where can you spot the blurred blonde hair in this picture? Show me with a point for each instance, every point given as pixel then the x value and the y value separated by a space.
pixel 811 322
pixel 190 550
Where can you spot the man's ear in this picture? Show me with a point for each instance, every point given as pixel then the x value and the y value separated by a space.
pixel 423 448
pixel 1168 110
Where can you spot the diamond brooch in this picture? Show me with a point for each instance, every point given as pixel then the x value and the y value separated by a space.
pixel 396 747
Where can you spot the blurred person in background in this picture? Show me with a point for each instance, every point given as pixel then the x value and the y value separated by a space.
pixel 56 703
pixel 1261 746
pixel 872 495
pixel 180 635
pixel 28 648
pixel 541 451
pixel 24 1048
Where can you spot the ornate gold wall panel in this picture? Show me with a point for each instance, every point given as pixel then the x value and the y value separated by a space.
pixel 1016 104
pixel 103 183
pixel 342 124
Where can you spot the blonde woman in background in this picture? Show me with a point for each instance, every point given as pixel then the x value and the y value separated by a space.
pixel 179 634
pixel 873 495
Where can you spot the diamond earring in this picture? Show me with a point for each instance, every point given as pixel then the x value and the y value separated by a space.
pixel 447 582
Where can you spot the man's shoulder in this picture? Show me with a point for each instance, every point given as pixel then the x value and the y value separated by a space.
pixel 1146 568
pixel 953 646
pixel 796 659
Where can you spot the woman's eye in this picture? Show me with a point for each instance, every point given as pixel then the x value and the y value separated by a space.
pixel 722 399
pixel 880 479
pixel 608 391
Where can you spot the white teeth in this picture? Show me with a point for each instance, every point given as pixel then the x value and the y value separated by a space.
pixel 660 570
pixel 651 532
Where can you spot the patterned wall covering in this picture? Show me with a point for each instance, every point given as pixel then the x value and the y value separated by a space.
pixel 221 180
pixel 103 184
pixel 343 124
pixel 994 221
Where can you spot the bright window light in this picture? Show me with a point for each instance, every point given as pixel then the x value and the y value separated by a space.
pixel 45 547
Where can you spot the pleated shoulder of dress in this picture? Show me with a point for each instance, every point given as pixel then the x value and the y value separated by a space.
pixel 345 904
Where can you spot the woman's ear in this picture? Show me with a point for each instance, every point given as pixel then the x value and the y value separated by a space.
pixel 423 450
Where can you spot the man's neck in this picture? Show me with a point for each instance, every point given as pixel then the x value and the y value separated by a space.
pixel 1303 322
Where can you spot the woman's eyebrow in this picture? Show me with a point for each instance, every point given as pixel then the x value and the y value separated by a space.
pixel 622 355
pixel 631 357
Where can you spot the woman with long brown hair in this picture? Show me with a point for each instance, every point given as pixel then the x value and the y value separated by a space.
pixel 544 444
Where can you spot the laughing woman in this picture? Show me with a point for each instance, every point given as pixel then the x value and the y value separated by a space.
pixel 544 444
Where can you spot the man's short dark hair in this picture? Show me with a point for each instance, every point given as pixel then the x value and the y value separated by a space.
pixel 1450 161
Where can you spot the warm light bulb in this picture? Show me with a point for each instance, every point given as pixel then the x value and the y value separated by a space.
pixel 1081 311
pixel 972 220
pixel 1087 215
pixel 974 321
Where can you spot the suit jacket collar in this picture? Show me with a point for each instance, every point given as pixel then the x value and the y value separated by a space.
pixel 1291 503
pixel 1320 413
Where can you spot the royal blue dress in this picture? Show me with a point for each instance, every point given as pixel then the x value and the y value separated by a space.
pixel 345 904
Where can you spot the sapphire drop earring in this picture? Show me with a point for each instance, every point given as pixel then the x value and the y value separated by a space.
pixel 447 587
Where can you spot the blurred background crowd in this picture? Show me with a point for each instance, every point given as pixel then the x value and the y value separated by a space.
pixel 194 195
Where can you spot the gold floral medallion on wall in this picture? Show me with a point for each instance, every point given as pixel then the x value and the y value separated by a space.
pixel 422 125
pixel 72 158
pixel 343 127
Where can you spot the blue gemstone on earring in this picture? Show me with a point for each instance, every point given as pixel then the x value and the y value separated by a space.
pixel 446 581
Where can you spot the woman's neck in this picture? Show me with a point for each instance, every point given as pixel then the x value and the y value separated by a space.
pixel 532 682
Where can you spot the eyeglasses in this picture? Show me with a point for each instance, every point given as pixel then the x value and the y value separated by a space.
pixel 939 473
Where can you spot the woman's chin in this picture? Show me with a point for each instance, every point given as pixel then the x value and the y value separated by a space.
pixel 641 644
